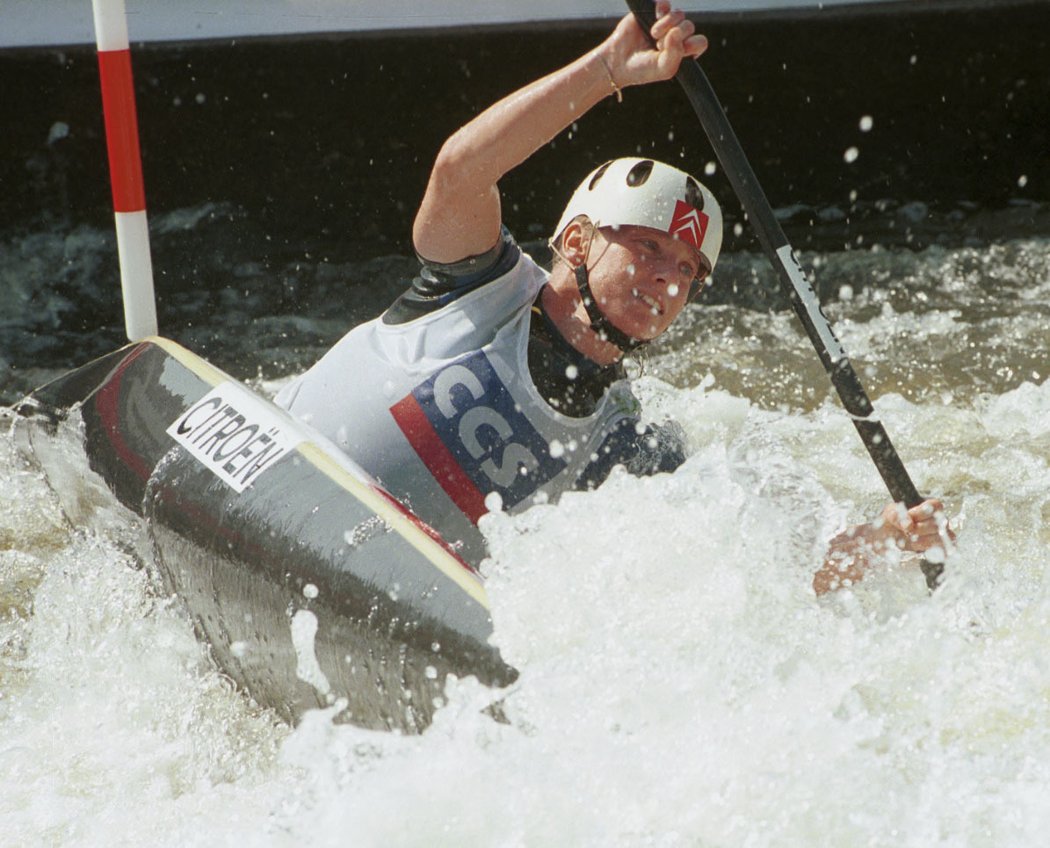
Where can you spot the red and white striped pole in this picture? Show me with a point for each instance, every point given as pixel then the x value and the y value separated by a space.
pixel 125 168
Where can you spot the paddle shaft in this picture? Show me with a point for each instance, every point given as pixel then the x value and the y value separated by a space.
pixel 793 279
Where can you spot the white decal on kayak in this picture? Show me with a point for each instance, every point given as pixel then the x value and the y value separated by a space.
pixel 234 434
pixel 812 304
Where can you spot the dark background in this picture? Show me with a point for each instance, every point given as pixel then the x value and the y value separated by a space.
pixel 329 139
pixel 282 175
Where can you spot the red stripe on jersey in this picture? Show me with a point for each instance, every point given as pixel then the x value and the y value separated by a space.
pixel 438 458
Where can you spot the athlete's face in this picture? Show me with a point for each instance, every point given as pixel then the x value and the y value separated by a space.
pixel 641 277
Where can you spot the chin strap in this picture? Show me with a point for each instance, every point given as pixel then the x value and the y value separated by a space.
pixel 599 323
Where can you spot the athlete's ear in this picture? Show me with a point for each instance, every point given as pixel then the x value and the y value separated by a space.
pixel 575 241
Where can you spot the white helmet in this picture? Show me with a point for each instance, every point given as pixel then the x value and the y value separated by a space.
pixel 646 193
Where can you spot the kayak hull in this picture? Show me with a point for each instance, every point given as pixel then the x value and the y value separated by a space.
pixel 311 585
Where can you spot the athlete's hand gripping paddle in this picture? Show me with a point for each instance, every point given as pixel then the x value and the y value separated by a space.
pixel 792 278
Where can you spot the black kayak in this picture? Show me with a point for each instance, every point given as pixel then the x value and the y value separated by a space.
pixel 310 583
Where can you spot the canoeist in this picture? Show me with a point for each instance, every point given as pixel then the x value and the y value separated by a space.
pixel 493 384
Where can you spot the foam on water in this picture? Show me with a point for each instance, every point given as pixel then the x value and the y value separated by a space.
pixel 680 685
pixel 111 711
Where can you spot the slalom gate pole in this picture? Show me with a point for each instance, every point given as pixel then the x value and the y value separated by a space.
pixel 125 168
pixel 793 279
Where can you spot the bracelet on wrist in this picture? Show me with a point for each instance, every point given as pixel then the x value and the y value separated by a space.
pixel 612 82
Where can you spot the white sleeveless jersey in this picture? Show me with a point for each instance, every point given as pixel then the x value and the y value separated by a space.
pixel 442 410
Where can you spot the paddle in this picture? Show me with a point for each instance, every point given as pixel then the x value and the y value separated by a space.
pixel 793 279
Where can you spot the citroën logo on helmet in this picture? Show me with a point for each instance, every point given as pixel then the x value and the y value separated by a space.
pixel 688 224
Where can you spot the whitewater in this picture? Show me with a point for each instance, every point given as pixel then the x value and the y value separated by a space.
pixel 680 685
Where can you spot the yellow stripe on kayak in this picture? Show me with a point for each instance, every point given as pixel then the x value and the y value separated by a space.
pixel 434 552
pixel 205 370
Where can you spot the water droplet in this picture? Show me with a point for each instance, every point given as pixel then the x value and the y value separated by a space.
pixel 59 130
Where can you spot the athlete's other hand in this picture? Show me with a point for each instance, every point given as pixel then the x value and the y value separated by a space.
pixel 920 529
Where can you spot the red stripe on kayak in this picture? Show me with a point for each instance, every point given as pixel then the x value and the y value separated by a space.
pixel 438 458
pixel 423 527
pixel 107 402
pixel 122 131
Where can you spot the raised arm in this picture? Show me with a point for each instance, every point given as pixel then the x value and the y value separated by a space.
pixel 460 212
